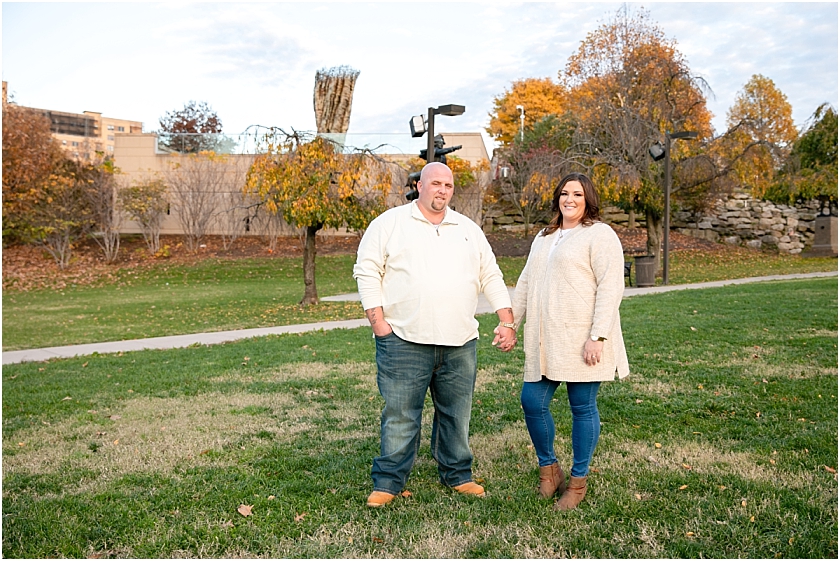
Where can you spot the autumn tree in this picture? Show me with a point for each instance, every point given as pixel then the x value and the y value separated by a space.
pixel 811 169
pixel 762 134
pixel 145 201
pixel 194 128
pixel 539 97
pixel 62 213
pixel 31 158
pixel 313 185
pixel 628 85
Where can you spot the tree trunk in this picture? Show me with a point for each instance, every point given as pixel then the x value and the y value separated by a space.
pixel 654 237
pixel 310 291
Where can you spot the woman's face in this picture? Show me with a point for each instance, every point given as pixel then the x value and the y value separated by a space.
pixel 572 204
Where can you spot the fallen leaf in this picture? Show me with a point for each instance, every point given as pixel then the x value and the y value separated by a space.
pixel 772 461
pixel 639 401
pixel 744 502
pixel 657 445
pixel 405 494
pixel 686 466
pixel 245 510
pixel 689 534
pixel 694 329
pixel 349 540
pixel 84 365
pixel 67 398
pixel 21 443
pixel 271 497
pixel 683 487
pixel 227 524
pixel 830 469
pixel 699 386
pixel 301 516
pixel 790 541
pixel 752 518
pixel 638 497
pixel 757 414
pixel 114 417
pixel 378 540
pixel 117 441
pixel 722 487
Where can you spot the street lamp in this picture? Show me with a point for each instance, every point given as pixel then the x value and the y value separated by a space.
pixel 657 152
pixel 521 123
pixel 418 128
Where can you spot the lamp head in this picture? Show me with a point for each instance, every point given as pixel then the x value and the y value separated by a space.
pixel 657 151
pixel 450 110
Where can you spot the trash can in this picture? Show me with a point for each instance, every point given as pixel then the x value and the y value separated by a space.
pixel 645 270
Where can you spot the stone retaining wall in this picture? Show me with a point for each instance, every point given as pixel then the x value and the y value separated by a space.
pixel 738 220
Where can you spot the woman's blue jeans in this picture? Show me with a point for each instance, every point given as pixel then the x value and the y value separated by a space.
pixel 405 371
pixel 586 422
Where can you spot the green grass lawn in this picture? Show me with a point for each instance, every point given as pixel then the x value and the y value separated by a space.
pixel 220 295
pixel 213 295
pixel 722 443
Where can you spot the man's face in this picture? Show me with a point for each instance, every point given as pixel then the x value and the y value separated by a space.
pixel 435 189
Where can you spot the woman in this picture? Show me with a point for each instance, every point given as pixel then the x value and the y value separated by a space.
pixel 570 291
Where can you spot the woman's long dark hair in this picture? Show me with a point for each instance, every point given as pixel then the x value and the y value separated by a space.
pixel 591 214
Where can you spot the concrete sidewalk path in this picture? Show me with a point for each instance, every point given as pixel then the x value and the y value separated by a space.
pixel 180 341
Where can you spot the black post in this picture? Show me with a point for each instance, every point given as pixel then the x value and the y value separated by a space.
pixel 667 222
pixel 430 137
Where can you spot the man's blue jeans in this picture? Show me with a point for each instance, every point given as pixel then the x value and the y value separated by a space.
pixel 586 422
pixel 405 371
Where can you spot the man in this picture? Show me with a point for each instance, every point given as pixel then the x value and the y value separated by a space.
pixel 420 269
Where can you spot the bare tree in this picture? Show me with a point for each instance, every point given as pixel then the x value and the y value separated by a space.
pixel 102 196
pixel 197 183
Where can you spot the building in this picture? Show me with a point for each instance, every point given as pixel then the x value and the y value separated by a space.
pixel 83 134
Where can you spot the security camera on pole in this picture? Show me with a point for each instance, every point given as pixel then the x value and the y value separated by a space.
pixel 434 152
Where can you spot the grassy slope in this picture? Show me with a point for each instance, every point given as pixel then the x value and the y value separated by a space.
pixel 715 446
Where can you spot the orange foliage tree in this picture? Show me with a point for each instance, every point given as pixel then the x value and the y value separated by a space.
pixel 540 97
pixel 628 85
pixel 762 134
pixel 31 159
pixel 313 184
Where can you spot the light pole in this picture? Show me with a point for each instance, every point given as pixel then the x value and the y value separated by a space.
pixel 521 123
pixel 657 152
pixel 417 128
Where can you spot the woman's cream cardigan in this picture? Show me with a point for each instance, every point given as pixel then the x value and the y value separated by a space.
pixel 569 297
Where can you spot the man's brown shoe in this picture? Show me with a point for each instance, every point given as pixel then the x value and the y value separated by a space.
pixel 379 498
pixel 470 488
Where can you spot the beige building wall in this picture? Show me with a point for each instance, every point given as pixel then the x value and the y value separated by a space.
pixel 138 158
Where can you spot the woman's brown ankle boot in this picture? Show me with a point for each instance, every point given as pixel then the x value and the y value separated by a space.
pixel 552 480
pixel 573 494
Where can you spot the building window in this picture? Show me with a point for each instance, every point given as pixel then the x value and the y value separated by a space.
pixel 120 129
pixel 74 143
pixel 110 137
pixel 110 127
pixel 110 148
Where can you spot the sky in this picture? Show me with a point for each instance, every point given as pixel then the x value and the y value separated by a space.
pixel 255 63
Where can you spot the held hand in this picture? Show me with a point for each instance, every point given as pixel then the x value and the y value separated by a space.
pixel 592 352
pixel 505 338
